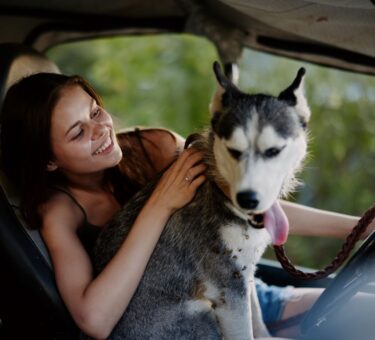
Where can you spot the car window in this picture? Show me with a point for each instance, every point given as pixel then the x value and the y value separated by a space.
pixel 167 80
pixel 162 80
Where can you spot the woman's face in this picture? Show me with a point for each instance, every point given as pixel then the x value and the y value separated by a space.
pixel 82 135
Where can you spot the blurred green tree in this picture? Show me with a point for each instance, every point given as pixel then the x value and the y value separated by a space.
pixel 167 80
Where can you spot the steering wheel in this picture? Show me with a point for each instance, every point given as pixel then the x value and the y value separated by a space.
pixel 356 274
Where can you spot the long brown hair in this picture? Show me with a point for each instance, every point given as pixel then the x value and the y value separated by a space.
pixel 26 142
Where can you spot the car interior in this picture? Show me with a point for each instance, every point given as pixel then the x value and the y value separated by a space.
pixel 30 305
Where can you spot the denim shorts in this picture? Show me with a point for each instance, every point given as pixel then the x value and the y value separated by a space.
pixel 272 300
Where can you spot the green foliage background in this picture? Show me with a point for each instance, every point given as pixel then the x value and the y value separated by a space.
pixel 168 81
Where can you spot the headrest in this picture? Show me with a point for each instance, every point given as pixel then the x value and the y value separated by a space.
pixel 18 61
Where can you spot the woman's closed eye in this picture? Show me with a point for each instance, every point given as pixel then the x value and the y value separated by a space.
pixel 78 134
pixel 96 113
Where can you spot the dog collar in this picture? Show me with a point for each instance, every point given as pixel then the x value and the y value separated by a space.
pixel 256 221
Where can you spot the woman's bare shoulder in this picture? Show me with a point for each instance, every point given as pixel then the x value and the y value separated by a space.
pixel 60 214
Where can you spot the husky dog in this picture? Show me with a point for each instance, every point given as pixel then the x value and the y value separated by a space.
pixel 199 282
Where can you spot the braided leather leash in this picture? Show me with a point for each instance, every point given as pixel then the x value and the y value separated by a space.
pixel 342 255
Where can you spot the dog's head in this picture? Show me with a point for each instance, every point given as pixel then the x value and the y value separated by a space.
pixel 259 141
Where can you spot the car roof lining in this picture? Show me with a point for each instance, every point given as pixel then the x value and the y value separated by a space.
pixel 294 32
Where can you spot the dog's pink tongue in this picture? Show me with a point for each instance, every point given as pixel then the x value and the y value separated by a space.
pixel 277 224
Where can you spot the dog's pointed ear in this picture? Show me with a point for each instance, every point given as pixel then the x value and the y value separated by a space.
pixel 294 96
pixel 222 80
pixel 224 85
pixel 232 72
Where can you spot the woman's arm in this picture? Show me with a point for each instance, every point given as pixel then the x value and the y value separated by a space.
pixel 316 222
pixel 97 304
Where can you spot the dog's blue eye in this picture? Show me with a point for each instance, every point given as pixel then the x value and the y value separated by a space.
pixel 235 153
pixel 271 152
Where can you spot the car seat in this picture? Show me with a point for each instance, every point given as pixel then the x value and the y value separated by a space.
pixel 30 305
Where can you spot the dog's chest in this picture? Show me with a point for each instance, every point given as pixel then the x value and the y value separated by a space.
pixel 246 246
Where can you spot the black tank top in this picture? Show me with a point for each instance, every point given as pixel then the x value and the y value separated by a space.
pixel 86 232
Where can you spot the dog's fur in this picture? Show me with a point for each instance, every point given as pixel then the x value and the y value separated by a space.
pixel 199 281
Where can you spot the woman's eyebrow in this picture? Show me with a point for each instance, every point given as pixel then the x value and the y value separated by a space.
pixel 73 126
pixel 79 121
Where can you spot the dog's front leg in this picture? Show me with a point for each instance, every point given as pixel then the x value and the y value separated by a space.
pixel 234 315
pixel 260 329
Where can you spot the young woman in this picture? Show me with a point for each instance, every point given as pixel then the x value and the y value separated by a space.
pixel 59 147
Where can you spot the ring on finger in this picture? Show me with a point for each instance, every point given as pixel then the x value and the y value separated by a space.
pixel 187 179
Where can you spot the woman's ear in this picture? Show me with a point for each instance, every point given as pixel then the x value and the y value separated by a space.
pixel 51 166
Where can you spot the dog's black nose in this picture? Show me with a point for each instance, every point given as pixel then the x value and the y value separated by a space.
pixel 247 199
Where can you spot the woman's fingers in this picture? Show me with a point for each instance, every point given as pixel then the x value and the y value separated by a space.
pixel 195 171
pixel 198 181
pixel 186 169
pixel 193 159
pixel 182 159
pixel 178 184
pixel 190 163
pixel 185 163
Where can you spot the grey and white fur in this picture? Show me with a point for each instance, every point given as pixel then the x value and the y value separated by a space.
pixel 199 282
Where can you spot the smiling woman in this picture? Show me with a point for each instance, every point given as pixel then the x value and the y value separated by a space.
pixel 60 149
pixel 55 115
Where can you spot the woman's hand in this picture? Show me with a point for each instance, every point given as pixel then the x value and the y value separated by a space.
pixel 179 183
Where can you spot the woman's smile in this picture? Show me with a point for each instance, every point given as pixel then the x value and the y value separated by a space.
pixel 106 147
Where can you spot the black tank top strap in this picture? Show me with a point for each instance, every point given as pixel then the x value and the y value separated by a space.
pixel 87 232
pixel 66 192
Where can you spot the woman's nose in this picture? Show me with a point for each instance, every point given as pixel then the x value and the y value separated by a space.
pixel 98 130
